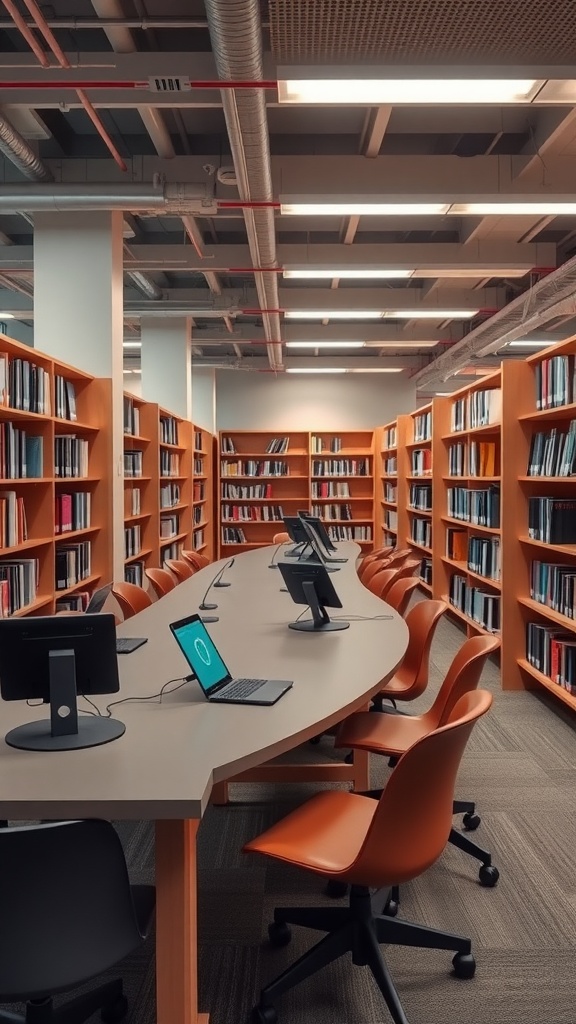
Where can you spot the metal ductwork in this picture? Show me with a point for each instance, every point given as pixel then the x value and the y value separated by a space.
pixel 236 37
pixel 144 284
pixel 19 153
pixel 177 199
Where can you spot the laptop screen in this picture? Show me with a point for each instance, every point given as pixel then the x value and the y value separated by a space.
pixel 200 652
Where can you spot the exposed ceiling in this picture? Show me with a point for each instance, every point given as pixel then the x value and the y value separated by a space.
pixel 461 111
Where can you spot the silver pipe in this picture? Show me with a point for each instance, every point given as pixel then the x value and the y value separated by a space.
pixel 236 37
pixel 176 198
pixel 144 284
pixel 17 150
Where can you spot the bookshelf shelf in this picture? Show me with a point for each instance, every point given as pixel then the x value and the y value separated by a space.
pixel 419 511
pixel 81 585
pixel 72 534
pixel 201 526
pixel 561 412
pixel 425 586
pixel 40 604
pixel 547 480
pixel 473 479
pixel 419 547
pixel 471 623
pixel 144 553
pixel 165 541
pixel 548 613
pixel 559 692
pixel 389 504
pixel 37 542
pixel 470 526
pixel 137 518
pixel 552 549
pixel 136 438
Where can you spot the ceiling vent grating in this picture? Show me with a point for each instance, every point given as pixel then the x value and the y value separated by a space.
pixel 169 84
pixel 428 31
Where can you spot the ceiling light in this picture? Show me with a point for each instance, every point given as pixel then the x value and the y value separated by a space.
pixel 414 343
pixel 345 273
pixel 530 344
pixel 443 394
pixel 514 208
pixel 6 316
pixel 361 207
pixel 333 314
pixel 375 91
pixel 132 344
pixel 376 369
pixel 430 314
pixel 137 372
pixel 324 344
pixel 316 369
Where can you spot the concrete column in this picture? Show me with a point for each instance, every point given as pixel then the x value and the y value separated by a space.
pixel 78 317
pixel 167 363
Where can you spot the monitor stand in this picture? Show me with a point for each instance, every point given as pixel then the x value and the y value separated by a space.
pixel 320 621
pixel 64 730
pixel 296 551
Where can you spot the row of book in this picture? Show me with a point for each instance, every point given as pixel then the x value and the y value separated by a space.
pixel 18 584
pixel 199 490
pixel 327 489
pixel 277 446
pixel 132 501
pixel 390 466
pixel 553 453
pixel 198 466
pixel 133 462
pixel 421 531
pixel 477 409
pixel 169 526
pixel 390 491
pixel 170 495
pixel 24 386
pixel 425 571
pixel 254 467
pixel 244 491
pixel 421 497
pixel 552 651
pixel 252 513
pixel 390 438
pixel 484 557
pixel 134 573
pixel 73 511
pixel 555 380
pixel 73 564
pixel 340 467
pixel 197 515
pixel 478 507
pixel 70 456
pixel 421 462
pixel 168 430
pixel 169 463
pixel 198 445
pixel 423 426
pixel 332 511
pixel 480 605
pixel 198 540
pixel 318 445
pixel 552 520
pixel 132 540
pixel 64 398
pixel 21 454
pixel 173 550
pixel 458 415
pixel 77 602
pixel 227 446
pixel 233 535
pixel 131 417
pixel 12 520
pixel 358 533
pixel 390 519
pixel 554 585
pixel 484 458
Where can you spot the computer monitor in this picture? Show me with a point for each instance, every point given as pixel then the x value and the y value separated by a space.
pixel 320 530
pixel 318 556
pixel 311 585
pixel 98 599
pixel 297 535
pixel 54 659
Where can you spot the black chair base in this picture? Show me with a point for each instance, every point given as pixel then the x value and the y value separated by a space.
pixel 356 929
pixel 108 998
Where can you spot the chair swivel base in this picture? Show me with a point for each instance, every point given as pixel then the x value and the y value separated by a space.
pixel 108 998
pixel 358 930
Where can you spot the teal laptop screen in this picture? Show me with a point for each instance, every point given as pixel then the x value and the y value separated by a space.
pixel 201 654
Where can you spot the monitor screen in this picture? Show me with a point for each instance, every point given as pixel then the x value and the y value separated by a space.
pixel 200 652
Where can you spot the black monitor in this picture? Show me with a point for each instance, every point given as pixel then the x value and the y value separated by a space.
pixel 321 532
pixel 54 659
pixel 311 585
pixel 297 535
pixel 98 599
pixel 318 556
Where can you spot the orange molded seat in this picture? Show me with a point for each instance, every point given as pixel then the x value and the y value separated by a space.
pixel 281 538
pixel 369 843
pixel 132 599
pixel 411 679
pixel 382 581
pixel 161 580
pixel 375 567
pixel 399 593
pixel 196 560
pixel 181 569
pixel 408 567
pixel 380 556
pixel 399 556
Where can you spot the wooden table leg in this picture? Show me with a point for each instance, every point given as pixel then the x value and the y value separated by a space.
pixel 176 931
pixel 361 771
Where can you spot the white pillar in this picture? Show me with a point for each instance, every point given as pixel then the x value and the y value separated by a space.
pixel 167 363
pixel 78 317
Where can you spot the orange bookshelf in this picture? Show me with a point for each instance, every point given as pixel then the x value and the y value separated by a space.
pixel 175 483
pixel 203 492
pixel 141 492
pixel 391 494
pixel 336 462
pixel 417 463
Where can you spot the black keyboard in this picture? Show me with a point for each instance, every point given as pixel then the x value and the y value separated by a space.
pixel 127 644
pixel 242 687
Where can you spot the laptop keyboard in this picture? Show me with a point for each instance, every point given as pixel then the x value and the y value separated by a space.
pixel 243 687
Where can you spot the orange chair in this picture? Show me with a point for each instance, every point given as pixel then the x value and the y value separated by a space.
pixel 382 581
pixel 408 567
pixel 411 679
pixel 181 569
pixel 367 843
pixel 161 580
pixel 399 556
pixel 393 735
pixel 382 559
pixel 281 538
pixel 373 569
pixel 196 560
pixel 132 599
pixel 399 593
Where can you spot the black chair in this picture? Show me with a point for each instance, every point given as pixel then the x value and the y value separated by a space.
pixel 68 913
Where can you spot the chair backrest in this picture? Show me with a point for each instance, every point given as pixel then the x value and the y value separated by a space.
pixel 181 569
pixel 161 580
pixel 462 677
pixel 408 567
pixel 421 620
pixel 281 538
pixel 375 556
pixel 399 593
pixel 382 581
pixel 399 556
pixel 67 911
pixel 132 599
pixel 414 815
pixel 377 566
pixel 197 560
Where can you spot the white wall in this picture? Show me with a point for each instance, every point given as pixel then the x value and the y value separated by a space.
pixel 203 398
pixel 261 401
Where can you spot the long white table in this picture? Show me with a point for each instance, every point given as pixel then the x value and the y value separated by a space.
pixel 165 766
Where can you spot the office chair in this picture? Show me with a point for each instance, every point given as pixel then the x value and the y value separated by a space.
pixel 161 581
pixel 382 557
pixel 399 556
pixel 69 913
pixel 281 538
pixel 181 569
pixel 411 678
pixel 399 593
pixel 196 560
pixel 382 581
pixel 132 599
pixel 373 569
pixel 367 843
pixel 393 735
pixel 408 567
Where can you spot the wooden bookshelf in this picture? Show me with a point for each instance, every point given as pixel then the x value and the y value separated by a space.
pixel 390 482
pixel 420 431
pixel 141 492
pixel 175 484
pixel 203 492
pixel 74 406
pixel 350 516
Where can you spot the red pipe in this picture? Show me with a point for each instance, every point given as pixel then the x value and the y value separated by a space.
pixel 26 33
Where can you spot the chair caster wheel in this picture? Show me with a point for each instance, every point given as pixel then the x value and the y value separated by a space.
pixel 315 740
pixel 391 908
pixel 488 876
pixel 336 889
pixel 279 935
pixel 264 1015
pixel 464 965
pixel 116 1012
pixel 471 821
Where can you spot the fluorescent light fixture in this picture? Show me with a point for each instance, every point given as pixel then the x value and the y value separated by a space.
pixel 413 343
pixel 6 316
pixel 324 344
pixel 531 344
pixel 376 369
pixel 430 314
pixel 375 91
pixel 443 394
pixel 514 208
pixel 132 344
pixel 362 207
pixel 375 314
pixel 344 273
pixel 316 369
pixel 136 372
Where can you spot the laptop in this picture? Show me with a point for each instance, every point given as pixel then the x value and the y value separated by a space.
pixel 209 669
pixel 124 644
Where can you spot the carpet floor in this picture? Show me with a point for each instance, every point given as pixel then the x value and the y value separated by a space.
pixel 520 768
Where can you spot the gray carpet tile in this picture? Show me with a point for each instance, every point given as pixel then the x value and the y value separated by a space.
pixel 520 768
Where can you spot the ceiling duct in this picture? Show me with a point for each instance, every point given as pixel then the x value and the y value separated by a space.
pixel 176 198
pixel 19 153
pixel 236 37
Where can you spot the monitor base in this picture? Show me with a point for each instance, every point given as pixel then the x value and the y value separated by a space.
pixel 92 732
pixel 309 626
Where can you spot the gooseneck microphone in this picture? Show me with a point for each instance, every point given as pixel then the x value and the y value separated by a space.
pixel 219 582
pixel 272 564
pixel 204 606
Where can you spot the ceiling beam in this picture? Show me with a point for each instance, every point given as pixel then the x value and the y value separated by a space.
pixel 374 130
pixel 555 133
